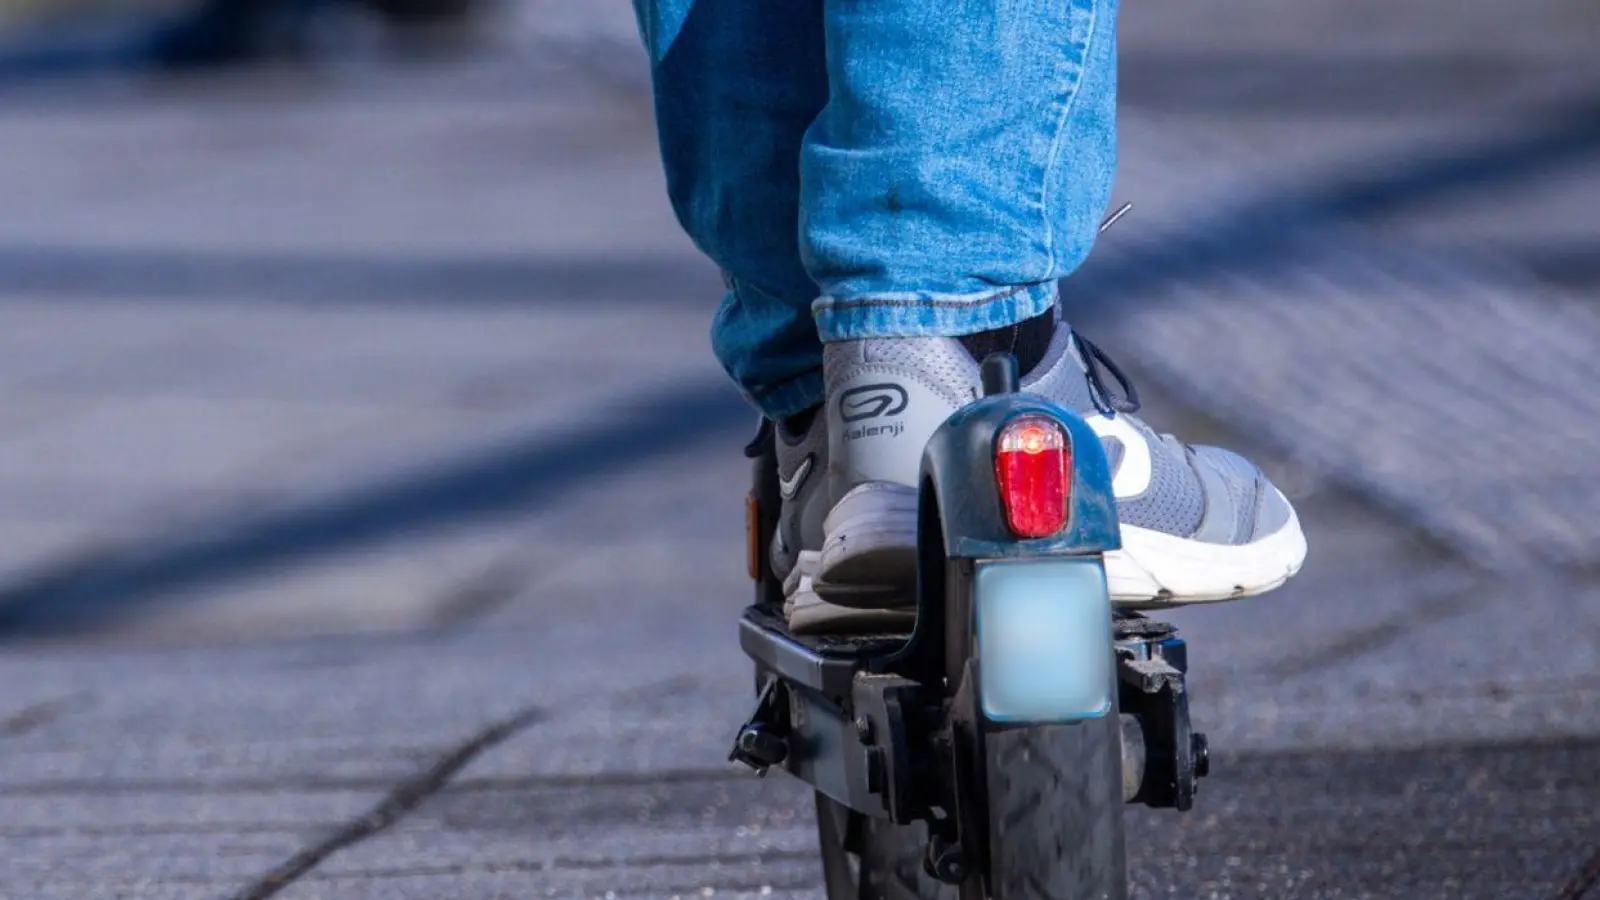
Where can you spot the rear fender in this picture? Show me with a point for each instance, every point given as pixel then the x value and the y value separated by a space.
pixel 958 474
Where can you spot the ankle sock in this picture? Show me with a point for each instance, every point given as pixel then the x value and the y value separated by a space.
pixel 1028 341
pixel 797 424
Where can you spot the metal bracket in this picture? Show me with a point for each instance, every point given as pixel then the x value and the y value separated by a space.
pixel 1151 663
pixel 890 726
pixel 763 740
pixel 1149 676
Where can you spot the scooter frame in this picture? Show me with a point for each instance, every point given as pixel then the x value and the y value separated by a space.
pixel 868 723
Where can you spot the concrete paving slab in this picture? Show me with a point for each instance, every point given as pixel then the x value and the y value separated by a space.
pixel 624 773
pixel 210 843
pixel 499 884
pixel 589 837
pixel 172 443
pixel 115 814
pixel 289 244
pixel 340 170
pixel 117 890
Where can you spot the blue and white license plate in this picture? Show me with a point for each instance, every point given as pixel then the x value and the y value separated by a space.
pixel 1044 640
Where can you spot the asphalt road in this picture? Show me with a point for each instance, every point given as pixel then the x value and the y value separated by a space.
pixel 370 514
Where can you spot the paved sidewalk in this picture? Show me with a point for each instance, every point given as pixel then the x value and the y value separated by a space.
pixel 370 505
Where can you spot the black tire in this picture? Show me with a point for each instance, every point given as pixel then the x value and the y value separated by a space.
pixel 1053 792
pixel 1055 822
pixel 1055 812
pixel 891 864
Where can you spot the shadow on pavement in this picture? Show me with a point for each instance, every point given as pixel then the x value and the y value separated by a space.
pixel 1260 236
pixel 528 475
pixel 206 34
pixel 1269 82
pixel 82 274
pixel 514 479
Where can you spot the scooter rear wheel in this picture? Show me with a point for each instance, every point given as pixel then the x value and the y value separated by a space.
pixel 1055 812
pixel 1055 823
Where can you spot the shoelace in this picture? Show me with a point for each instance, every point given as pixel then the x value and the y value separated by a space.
pixel 1104 400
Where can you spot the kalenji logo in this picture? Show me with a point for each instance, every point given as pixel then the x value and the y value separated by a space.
pixel 871 401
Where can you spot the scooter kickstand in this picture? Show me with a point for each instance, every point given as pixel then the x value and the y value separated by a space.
pixel 762 741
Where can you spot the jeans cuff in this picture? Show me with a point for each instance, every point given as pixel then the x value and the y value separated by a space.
pixel 792 396
pixel 929 315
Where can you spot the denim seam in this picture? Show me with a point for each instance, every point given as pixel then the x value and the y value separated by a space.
pixel 926 315
pixel 1061 130
pixel 963 301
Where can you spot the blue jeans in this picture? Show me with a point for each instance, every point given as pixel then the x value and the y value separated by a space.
pixel 880 168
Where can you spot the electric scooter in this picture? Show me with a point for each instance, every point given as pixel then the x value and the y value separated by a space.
pixel 990 751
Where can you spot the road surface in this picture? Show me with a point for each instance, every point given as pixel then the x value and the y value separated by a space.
pixel 370 514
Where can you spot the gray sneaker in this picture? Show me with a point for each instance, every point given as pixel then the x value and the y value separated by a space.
pixel 797 542
pixel 1199 524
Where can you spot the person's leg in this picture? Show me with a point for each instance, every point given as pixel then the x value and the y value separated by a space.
pixel 957 165
pixel 736 84
pixel 962 163
pixel 960 168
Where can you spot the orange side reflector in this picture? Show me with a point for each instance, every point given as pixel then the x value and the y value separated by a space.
pixel 752 531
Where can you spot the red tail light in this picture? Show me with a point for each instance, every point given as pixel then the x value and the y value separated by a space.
pixel 1033 465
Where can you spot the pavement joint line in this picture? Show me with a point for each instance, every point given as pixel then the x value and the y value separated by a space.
pixel 493 587
pixel 405 797
pixel 1425 608
pixel 1583 880
pixel 38 715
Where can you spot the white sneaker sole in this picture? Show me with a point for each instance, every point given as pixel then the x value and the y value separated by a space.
pixel 1155 570
pixel 807 613
pixel 869 558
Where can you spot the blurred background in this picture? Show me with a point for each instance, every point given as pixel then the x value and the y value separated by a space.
pixel 361 449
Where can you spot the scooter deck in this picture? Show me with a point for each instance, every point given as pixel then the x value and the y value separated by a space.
pixel 1129 626
pixel 833 646
pixel 824 663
